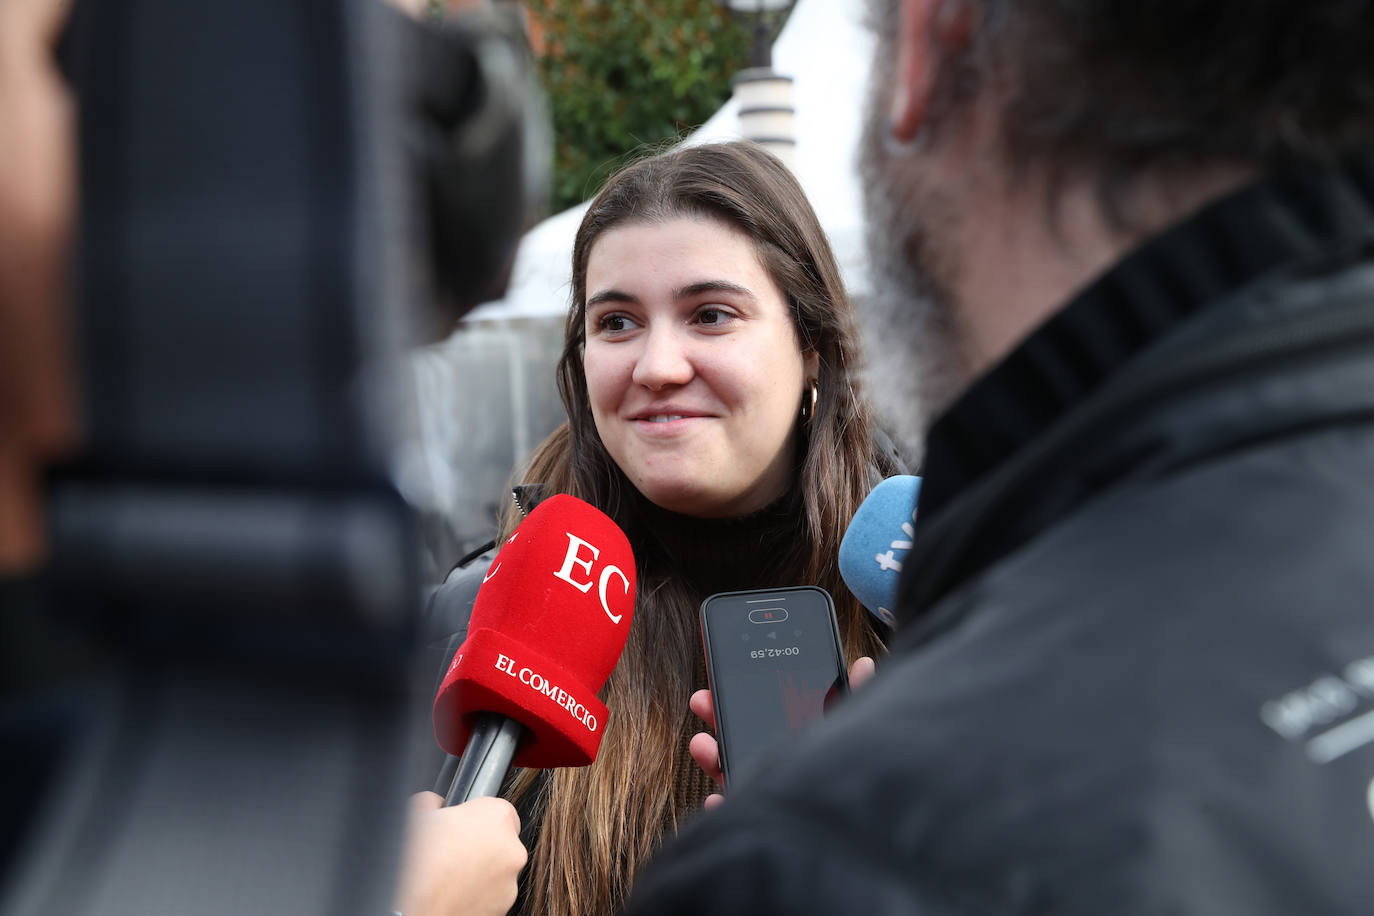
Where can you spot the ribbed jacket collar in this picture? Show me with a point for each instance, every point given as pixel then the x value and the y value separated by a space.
pixel 1265 228
pixel 1130 377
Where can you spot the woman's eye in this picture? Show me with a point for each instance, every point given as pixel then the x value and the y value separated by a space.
pixel 614 323
pixel 713 317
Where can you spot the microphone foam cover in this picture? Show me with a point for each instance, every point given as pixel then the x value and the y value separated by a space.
pixel 548 626
pixel 877 541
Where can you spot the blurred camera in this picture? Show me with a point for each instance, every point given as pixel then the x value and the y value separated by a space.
pixel 276 201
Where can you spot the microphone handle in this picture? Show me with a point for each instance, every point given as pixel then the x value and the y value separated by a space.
pixel 447 769
pixel 486 759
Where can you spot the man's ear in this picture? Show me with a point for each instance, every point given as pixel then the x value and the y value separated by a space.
pixel 926 29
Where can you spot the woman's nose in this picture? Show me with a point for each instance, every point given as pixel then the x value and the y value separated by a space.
pixel 664 360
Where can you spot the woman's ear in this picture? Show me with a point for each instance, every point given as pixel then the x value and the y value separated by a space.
pixel 811 363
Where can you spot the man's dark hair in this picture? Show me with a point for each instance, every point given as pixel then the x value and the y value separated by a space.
pixel 1118 87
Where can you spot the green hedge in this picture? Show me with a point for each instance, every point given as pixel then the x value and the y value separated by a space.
pixel 620 74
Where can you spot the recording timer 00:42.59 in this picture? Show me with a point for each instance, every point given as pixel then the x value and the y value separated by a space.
pixel 774 663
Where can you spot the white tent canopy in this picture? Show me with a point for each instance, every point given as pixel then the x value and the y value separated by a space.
pixel 826 49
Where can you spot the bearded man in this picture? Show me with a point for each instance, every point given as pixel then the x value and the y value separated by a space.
pixel 1125 283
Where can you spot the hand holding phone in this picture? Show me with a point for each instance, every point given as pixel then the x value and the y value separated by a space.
pixel 774 663
pixel 706 752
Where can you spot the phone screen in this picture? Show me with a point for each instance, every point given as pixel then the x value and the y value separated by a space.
pixel 774 662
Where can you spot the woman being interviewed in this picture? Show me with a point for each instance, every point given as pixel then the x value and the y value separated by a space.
pixel 709 372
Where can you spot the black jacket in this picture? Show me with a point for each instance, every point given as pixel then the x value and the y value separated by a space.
pixel 1135 672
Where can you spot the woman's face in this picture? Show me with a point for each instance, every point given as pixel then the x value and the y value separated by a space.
pixel 693 365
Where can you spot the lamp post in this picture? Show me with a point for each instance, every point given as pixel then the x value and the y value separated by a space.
pixel 764 17
pixel 764 97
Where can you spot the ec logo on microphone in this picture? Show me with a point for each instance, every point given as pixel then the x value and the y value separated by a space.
pixel 574 558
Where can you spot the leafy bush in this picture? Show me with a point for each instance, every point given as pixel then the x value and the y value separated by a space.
pixel 621 74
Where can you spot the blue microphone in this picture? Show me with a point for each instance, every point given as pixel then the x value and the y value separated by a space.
pixel 877 541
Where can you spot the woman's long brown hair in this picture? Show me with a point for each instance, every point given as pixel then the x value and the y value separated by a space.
pixel 598 825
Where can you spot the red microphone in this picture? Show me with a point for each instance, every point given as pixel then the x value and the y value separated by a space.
pixel 548 625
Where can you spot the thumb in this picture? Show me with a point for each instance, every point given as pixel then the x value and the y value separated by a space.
pixel 861 672
pixel 425 801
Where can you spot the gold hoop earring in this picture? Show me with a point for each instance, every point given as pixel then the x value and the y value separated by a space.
pixel 809 398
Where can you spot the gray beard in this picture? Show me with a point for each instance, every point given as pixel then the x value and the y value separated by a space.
pixel 916 350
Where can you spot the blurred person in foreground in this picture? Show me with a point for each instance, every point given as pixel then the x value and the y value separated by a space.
pixel 478 841
pixel 1125 264
pixel 37 414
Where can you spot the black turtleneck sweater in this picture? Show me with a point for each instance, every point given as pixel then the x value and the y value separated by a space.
pixel 711 555
pixel 726 554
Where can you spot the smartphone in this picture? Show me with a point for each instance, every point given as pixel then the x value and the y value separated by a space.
pixel 774 663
